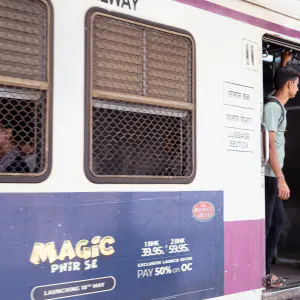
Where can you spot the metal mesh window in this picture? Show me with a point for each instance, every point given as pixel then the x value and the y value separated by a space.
pixel 141 102
pixel 24 88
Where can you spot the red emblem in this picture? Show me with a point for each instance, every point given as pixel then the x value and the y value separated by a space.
pixel 203 211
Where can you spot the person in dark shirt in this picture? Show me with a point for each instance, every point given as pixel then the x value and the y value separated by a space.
pixel 11 160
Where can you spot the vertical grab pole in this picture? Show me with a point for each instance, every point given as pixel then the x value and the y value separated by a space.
pixel 266 142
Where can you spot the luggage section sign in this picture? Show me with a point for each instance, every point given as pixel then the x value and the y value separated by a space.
pixel 112 245
pixel 239 118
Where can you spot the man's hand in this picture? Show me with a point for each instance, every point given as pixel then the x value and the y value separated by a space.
pixel 285 57
pixel 283 189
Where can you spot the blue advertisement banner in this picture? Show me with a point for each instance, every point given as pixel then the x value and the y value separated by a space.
pixel 129 246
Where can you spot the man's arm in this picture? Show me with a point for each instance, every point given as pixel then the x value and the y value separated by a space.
pixel 285 58
pixel 274 162
pixel 283 189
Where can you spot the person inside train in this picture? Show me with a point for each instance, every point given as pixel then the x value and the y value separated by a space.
pixel 285 58
pixel 11 160
pixel 30 156
pixel 286 82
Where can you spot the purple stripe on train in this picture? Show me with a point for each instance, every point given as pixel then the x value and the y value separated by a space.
pixel 244 256
pixel 239 16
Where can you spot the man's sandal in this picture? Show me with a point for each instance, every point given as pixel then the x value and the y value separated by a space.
pixel 275 284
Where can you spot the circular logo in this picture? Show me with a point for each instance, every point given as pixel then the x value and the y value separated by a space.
pixel 204 211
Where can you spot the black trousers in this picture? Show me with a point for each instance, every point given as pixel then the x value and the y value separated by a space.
pixel 274 219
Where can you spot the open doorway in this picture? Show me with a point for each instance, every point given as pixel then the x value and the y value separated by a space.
pixel 287 260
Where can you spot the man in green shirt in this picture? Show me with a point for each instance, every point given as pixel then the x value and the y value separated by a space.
pixel 286 82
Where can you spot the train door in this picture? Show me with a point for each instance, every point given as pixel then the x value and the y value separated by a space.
pixel 287 258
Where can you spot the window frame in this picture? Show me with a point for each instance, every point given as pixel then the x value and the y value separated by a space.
pixel 88 94
pixel 43 86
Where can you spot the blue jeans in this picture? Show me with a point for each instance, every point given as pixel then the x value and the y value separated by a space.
pixel 274 219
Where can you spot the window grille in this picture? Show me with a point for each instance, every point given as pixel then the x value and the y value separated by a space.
pixel 25 88
pixel 140 102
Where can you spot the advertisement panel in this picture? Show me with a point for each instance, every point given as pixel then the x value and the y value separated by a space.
pixel 160 245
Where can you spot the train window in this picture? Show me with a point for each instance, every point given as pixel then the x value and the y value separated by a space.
pixel 25 90
pixel 140 102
